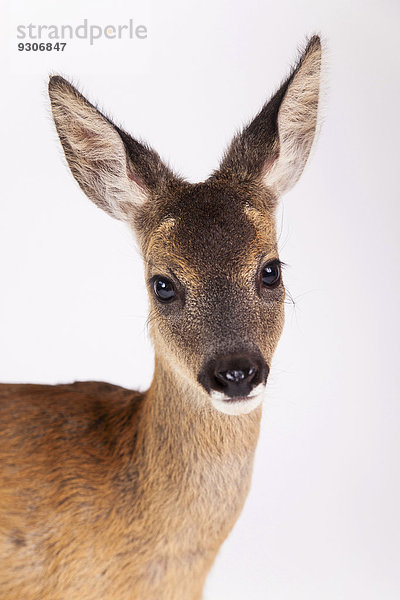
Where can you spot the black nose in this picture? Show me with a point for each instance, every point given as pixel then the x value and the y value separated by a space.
pixel 235 375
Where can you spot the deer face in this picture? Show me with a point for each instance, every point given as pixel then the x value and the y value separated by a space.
pixel 216 290
pixel 210 249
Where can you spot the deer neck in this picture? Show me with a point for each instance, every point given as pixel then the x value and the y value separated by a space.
pixel 180 416
pixel 190 450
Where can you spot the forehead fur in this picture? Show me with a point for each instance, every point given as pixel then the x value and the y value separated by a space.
pixel 210 223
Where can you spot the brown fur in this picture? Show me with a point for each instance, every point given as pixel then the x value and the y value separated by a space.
pixel 108 493
pixel 103 491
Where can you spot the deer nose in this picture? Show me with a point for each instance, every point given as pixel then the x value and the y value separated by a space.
pixel 235 375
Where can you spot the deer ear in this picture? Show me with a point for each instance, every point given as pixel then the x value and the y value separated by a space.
pixel 115 171
pixel 275 146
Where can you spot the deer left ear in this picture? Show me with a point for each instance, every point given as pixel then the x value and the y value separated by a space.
pixel 275 146
pixel 118 173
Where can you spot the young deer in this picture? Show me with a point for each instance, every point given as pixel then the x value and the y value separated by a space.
pixel 108 493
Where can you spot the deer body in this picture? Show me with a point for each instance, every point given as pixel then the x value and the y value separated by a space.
pixel 112 497
pixel 109 493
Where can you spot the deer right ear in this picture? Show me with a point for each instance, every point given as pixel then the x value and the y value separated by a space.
pixel 115 171
pixel 275 146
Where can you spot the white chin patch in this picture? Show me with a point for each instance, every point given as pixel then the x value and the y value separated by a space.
pixel 242 406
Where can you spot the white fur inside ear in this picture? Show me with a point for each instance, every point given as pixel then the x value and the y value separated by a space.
pixel 297 122
pixel 229 406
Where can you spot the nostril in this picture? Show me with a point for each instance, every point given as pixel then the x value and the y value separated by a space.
pixel 236 376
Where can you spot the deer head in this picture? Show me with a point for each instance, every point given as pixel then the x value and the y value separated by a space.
pixel 210 248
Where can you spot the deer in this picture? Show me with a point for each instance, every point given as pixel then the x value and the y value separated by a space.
pixel 109 493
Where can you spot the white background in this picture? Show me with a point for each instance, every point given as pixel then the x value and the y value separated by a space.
pixel 322 519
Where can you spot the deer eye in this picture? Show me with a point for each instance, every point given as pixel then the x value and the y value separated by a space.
pixel 164 289
pixel 271 274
